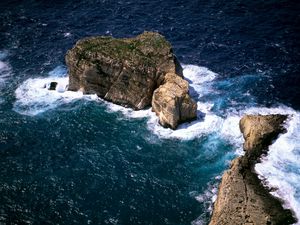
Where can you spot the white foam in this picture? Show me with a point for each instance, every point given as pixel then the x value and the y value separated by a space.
pixel 207 198
pixel 198 74
pixel 230 130
pixel 280 109
pixel 207 121
pixel 5 72
pixel 227 126
pixel 5 69
pixel 33 96
pixel 67 34
pixel 186 131
pixel 276 168
pixel 199 78
pixel 3 66
pixel 281 167
pixel 127 112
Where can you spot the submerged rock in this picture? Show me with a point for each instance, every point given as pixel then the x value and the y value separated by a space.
pixel 242 199
pixel 127 71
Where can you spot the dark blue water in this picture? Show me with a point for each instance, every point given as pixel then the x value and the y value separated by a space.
pixel 77 163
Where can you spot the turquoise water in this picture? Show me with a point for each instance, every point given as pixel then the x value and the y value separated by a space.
pixel 67 158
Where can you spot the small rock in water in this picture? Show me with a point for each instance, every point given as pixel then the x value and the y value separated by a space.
pixel 131 72
pixel 52 86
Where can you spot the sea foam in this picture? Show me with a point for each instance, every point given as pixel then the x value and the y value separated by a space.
pixel 280 169
pixel 5 69
pixel 5 72
pixel 33 96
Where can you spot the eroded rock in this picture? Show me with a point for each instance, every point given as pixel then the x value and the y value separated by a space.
pixel 172 103
pixel 127 71
pixel 242 199
pixel 52 86
pixel 124 71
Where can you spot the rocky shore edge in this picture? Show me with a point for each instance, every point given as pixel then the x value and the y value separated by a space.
pixel 135 72
pixel 242 198
pixel 143 71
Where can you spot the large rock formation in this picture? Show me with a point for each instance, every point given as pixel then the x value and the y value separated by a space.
pixel 172 103
pixel 242 199
pixel 127 71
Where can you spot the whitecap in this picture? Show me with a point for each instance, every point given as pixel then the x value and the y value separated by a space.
pixel 67 34
pixel 207 198
pixel 127 112
pixel 3 66
pixel 5 69
pixel 198 78
pixel 198 74
pixel 186 131
pixel 34 97
pixel 207 122
pixel 5 72
pixel 280 169
pixel 59 71
pixel 282 172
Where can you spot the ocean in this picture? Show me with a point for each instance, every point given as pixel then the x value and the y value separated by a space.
pixel 69 158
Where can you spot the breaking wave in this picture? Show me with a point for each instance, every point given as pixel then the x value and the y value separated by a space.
pixel 5 71
pixel 220 104
pixel 34 97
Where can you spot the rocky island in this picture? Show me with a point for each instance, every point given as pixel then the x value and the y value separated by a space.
pixel 142 71
pixel 133 72
pixel 242 198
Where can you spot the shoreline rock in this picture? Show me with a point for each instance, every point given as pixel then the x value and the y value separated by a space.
pixel 127 71
pixel 171 101
pixel 52 86
pixel 242 198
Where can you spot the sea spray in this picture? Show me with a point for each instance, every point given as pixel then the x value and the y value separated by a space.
pixel 5 73
pixel 214 118
pixel 280 169
pixel 34 97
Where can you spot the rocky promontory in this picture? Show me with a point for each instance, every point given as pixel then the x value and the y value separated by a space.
pixel 242 198
pixel 133 72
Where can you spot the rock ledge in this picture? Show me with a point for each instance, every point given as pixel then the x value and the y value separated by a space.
pixel 127 71
pixel 242 199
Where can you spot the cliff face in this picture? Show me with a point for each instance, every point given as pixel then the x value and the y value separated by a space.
pixel 172 103
pixel 127 71
pixel 242 199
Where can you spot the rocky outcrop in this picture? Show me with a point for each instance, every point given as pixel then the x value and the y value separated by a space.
pixel 242 199
pixel 52 86
pixel 172 103
pixel 127 71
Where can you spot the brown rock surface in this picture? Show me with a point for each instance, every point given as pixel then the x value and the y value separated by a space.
pixel 127 71
pixel 124 71
pixel 172 103
pixel 242 199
